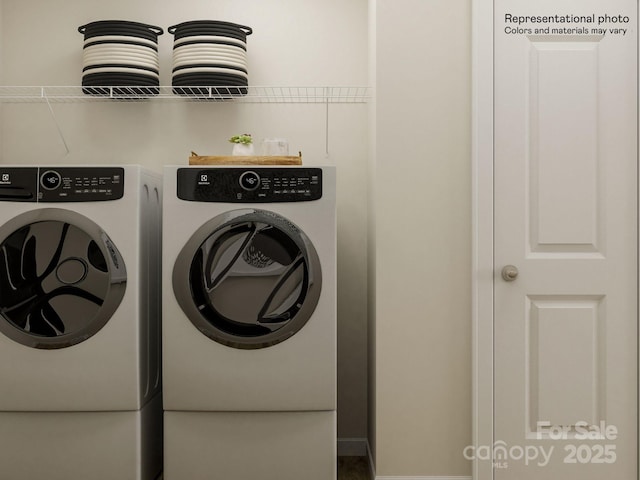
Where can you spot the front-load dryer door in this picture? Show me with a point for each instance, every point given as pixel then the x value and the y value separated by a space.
pixel 61 278
pixel 248 279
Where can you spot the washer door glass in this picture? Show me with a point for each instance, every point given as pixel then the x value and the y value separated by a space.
pixel 61 278
pixel 248 279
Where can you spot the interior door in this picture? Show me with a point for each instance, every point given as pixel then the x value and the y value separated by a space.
pixel 565 358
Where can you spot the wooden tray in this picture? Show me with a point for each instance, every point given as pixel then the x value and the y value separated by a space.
pixel 241 160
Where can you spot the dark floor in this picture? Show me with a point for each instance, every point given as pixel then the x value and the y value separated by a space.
pixel 353 468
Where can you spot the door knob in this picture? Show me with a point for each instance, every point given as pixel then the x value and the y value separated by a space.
pixel 510 273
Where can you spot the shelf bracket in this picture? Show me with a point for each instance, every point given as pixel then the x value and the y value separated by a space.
pixel 326 125
pixel 55 121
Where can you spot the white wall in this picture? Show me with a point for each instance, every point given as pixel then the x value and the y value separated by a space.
pixel 371 236
pixel 295 43
pixel 422 379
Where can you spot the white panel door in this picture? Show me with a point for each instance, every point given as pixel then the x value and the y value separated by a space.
pixel 565 145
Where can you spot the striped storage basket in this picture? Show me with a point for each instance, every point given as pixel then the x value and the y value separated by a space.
pixel 210 53
pixel 120 57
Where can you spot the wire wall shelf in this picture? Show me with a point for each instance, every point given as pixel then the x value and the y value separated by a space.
pixel 251 94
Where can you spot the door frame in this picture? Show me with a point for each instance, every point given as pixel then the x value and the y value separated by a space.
pixel 483 274
pixel 482 228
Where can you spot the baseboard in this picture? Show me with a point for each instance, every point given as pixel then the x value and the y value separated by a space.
pixel 372 465
pixel 352 447
pixel 372 471
pixel 422 478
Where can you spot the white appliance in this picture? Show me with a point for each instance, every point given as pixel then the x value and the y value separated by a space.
pixel 249 323
pixel 80 323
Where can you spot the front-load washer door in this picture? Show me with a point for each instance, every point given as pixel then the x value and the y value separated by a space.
pixel 61 278
pixel 248 279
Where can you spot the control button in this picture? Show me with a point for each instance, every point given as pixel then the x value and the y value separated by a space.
pixel 50 180
pixel 249 180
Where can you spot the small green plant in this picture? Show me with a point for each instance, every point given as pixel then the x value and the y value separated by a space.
pixel 244 139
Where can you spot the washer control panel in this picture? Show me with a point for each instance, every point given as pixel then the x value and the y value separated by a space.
pixel 63 184
pixel 250 185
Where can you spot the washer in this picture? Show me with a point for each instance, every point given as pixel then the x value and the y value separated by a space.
pixel 249 323
pixel 80 323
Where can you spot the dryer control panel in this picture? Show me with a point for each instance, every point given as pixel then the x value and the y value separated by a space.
pixel 249 185
pixel 61 184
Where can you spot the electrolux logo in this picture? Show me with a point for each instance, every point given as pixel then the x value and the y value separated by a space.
pixel 5 179
pixel 203 179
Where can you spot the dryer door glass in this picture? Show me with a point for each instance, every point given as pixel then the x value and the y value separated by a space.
pixel 248 279
pixel 61 279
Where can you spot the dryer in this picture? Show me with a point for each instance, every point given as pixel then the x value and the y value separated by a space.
pixel 249 322
pixel 80 323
